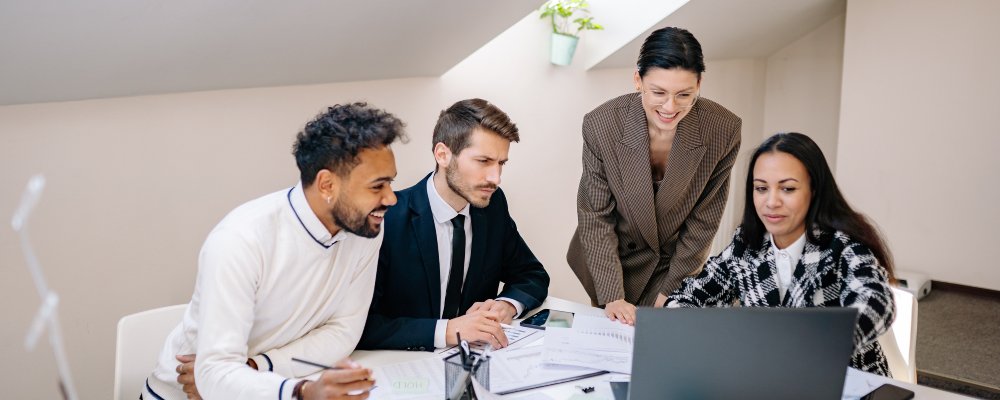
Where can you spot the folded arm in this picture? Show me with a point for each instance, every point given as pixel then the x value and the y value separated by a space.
pixel 228 276
pixel 524 277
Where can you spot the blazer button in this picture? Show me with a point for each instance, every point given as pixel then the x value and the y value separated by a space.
pixel 631 246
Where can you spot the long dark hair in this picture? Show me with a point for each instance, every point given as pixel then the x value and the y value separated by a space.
pixel 828 209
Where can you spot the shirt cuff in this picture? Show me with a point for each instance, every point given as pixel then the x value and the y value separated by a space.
pixel 439 331
pixel 287 386
pixel 517 305
pixel 264 363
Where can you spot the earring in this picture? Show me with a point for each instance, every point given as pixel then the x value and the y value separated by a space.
pixel 328 199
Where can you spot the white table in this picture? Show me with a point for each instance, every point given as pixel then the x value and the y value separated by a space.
pixel 855 378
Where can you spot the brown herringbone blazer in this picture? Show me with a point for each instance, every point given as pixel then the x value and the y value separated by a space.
pixel 629 243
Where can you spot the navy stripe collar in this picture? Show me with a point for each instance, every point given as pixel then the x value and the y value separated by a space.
pixel 308 219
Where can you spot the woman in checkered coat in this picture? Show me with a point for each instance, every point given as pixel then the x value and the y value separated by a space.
pixel 800 245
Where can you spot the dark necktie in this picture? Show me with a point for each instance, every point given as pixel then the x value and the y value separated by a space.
pixel 452 300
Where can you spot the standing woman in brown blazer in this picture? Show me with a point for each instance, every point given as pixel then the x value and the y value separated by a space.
pixel 656 167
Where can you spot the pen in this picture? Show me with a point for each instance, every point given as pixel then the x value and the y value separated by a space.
pixel 318 365
pixel 460 385
pixel 479 359
pixel 463 347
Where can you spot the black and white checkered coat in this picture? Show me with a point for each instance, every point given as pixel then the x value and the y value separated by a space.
pixel 834 272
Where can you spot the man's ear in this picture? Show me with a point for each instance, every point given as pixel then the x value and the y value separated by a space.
pixel 442 155
pixel 328 185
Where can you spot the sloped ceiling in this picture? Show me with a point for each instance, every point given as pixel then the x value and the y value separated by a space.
pixel 729 29
pixel 71 50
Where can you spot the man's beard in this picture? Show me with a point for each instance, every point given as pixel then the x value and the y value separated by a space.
pixel 460 188
pixel 350 219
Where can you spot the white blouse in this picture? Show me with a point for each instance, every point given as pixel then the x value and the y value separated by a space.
pixel 785 260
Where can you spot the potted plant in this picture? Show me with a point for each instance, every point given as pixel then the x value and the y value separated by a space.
pixel 564 37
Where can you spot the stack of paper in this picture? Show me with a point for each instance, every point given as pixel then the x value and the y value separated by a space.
pixel 521 369
pixel 594 342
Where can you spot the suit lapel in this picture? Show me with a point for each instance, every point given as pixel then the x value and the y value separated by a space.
pixel 476 257
pixel 422 221
pixel 635 173
pixel 685 157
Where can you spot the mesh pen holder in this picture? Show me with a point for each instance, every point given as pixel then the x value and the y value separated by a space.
pixel 457 383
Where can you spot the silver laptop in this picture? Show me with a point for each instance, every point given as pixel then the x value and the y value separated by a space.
pixel 741 353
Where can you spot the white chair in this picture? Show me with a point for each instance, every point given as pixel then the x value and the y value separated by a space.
pixel 140 339
pixel 900 343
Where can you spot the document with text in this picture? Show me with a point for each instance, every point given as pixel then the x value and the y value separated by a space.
pixel 595 342
pixel 524 368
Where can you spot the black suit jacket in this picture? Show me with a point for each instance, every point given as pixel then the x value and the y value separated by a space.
pixel 407 299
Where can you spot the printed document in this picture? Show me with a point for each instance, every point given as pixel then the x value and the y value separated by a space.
pixel 524 368
pixel 592 342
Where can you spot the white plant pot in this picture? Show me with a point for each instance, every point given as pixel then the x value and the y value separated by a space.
pixel 563 47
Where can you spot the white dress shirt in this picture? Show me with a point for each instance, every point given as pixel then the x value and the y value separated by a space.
pixel 272 284
pixel 443 214
pixel 785 260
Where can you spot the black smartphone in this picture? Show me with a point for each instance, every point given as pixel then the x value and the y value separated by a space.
pixel 547 317
pixel 889 392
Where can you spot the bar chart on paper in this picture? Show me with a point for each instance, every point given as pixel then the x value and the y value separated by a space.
pixel 591 341
pixel 614 338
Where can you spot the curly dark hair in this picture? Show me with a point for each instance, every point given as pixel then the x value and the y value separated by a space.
pixel 334 138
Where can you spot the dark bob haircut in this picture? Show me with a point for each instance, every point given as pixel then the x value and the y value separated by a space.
pixel 334 138
pixel 670 48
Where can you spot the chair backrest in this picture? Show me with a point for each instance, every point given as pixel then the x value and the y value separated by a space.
pixel 900 342
pixel 140 339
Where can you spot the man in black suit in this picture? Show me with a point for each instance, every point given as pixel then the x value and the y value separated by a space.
pixel 449 242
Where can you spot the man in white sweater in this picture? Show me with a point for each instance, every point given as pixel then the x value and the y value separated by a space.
pixel 290 275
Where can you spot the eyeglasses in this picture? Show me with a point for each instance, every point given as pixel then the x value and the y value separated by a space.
pixel 682 100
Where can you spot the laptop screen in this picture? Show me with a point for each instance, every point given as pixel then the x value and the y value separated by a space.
pixel 742 352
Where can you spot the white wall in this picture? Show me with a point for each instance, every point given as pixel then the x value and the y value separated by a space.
pixel 803 87
pixel 739 85
pixel 795 89
pixel 918 137
pixel 135 184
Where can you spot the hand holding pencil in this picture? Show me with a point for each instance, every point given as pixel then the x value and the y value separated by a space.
pixel 345 380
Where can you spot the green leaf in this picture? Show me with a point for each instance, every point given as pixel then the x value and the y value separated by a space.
pixel 560 13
